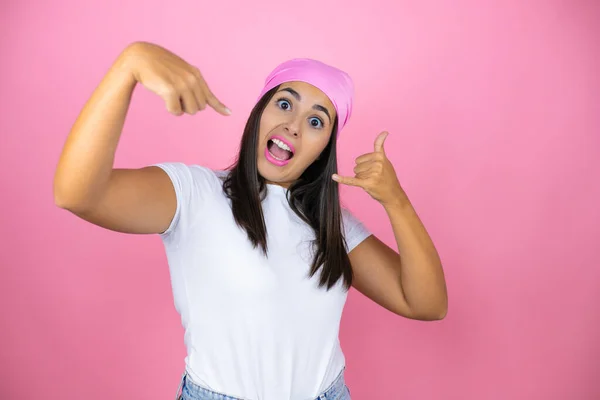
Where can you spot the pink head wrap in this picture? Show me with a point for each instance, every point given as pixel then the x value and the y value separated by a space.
pixel 336 84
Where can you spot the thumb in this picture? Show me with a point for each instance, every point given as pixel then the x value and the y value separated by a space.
pixel 379 141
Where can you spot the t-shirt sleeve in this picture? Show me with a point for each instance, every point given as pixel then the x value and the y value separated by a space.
pixel 194 185
pixel 354 230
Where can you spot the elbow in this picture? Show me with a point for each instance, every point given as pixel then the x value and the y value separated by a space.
pixel 67 199
pixel 438 310
pixel 60 191
pixel 441 314
pixel 442 311
pixel 62 199
pixel 436 313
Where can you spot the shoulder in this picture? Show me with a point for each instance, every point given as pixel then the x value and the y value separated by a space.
pixel 197 189
pixel 349 218
pixel 190 176
pixel 353 228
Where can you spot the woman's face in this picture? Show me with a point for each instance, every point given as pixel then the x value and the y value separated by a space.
pixel 300 119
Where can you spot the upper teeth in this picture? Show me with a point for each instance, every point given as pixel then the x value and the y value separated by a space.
pixel 281 145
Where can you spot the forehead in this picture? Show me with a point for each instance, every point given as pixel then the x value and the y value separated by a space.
pixel 309 94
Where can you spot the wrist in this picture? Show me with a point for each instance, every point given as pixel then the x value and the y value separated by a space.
pixel 126 64
pixel 398 200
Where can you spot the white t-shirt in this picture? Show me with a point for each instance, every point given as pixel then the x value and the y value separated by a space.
pixel 256 327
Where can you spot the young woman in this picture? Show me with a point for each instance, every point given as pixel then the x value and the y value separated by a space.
pixel 261 254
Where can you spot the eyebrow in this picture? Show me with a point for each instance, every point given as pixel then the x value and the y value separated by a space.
pixel 317 107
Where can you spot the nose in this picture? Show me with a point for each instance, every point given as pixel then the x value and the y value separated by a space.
pixel 293 127
pixel 293 132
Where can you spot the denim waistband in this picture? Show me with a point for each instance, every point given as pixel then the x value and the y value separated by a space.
pixel 194 391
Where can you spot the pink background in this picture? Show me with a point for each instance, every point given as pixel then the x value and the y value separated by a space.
pixel 493 110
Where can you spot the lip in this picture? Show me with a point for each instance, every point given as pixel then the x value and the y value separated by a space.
pixel 269 157
pixel 273 160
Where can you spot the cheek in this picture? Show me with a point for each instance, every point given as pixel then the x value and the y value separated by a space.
pixel 264 120
pixel 267 122
pixel 315 147
pixel 264 127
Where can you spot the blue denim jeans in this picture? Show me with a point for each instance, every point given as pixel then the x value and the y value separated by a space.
pixel 189 390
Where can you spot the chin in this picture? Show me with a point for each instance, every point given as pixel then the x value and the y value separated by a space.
pixel 268 171
pixel 273 173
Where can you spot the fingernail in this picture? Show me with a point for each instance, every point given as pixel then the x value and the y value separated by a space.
pixel 227 110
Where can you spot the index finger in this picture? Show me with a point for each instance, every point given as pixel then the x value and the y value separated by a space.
pixel 212 101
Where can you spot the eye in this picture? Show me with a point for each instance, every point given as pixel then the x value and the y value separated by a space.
pixel 284 104
pixel 316 122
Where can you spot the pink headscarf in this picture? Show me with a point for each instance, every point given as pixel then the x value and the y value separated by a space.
pixel 336 84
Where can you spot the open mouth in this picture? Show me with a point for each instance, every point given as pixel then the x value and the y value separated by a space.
pixel 279 150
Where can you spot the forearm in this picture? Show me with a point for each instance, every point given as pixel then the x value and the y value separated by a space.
pixel 422 276
pixel 87 158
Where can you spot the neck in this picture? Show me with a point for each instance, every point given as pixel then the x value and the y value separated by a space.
pixel 282 184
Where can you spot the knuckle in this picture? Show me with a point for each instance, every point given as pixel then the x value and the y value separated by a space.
pixel 200 98
pixel 171 90
pixel 190 79
pixel 196 72
pixel 183 86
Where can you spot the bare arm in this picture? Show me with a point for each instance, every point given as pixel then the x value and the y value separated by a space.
pixel 126 200
pixel 133 201
pixel 410 281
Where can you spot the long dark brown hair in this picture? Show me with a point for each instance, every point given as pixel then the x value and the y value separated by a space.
pixel 314 197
